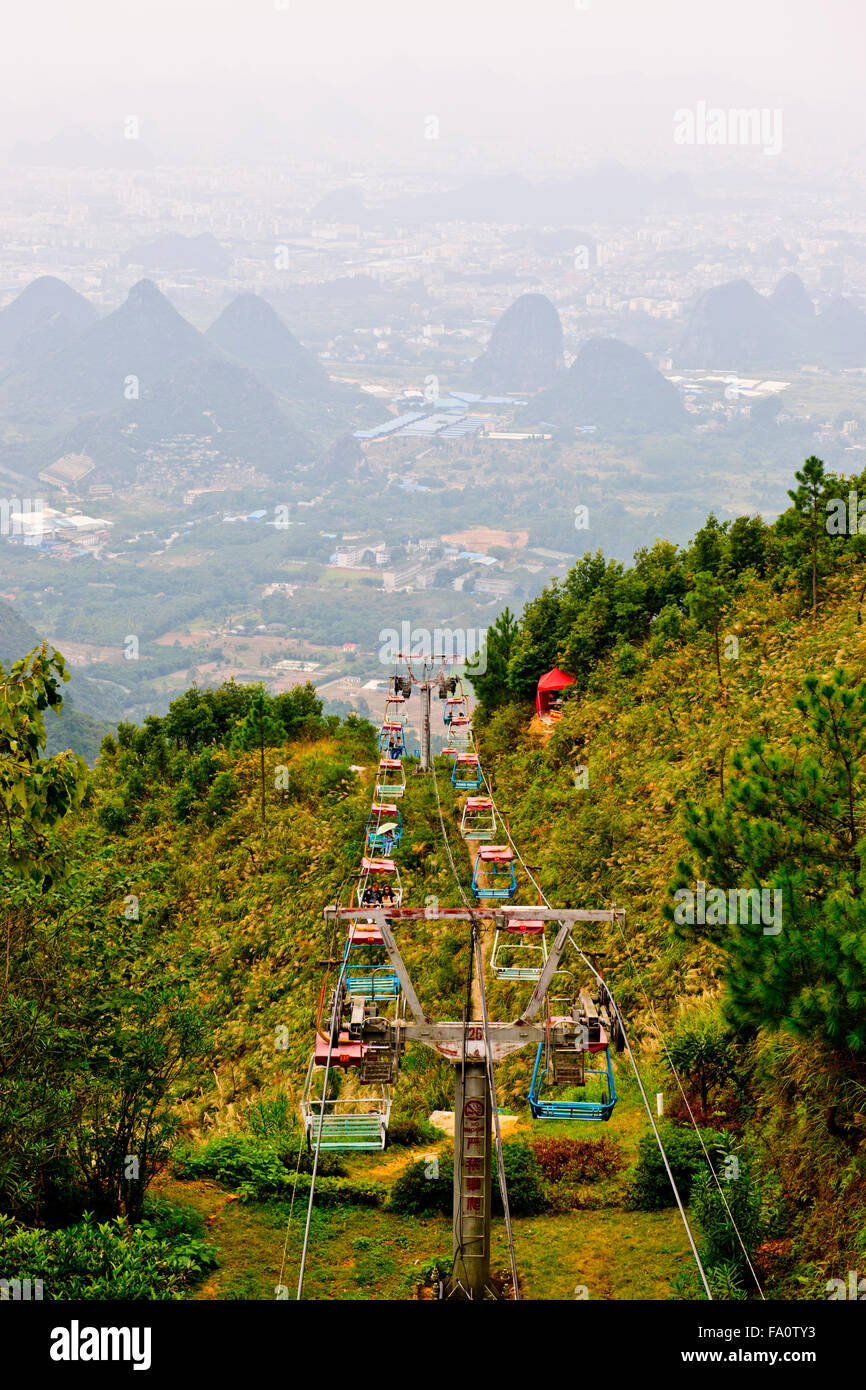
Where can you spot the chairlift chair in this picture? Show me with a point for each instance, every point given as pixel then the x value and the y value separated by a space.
pixel 478 821
pixel 455 707
pixel 390 779
pixel 574 1040
pixel 461 731
pixel 519 950
pixel 493 876
pixel 384 828
pixel 394 708
pixel 466 773
pixel 351 1122
pixel 375 873
pixel 392 740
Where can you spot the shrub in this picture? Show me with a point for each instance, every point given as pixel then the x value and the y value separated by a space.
pixel 109 1261
pixel 261 1168
pixel 701 1047
pixel 424 1187
pixel 577 1160
pixel 223 792
pixel 405 1132
pixel 114 815
pixel 650 1188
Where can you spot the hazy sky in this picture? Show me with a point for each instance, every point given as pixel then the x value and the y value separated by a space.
pixel 191 63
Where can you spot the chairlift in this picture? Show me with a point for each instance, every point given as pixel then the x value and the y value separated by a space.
pixel 478 821
pixel 384 828
pixel 493 876
pixel 461 731
pixel 358 1122
pixel 519 950
pixel 390 779
pixel 573 1040
pixel 379 884
pixel 466 773
pixel 455 707
pixel 392 740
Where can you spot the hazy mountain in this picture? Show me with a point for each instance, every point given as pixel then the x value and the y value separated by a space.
pixel 525 348
pixel 341 205
pixel 207 411
pixel 46 316
pixel 74 148
pixel 252 333
pixel 615 387
pixel 791 298
pixel 731 326
pixel 734 327
pixel 141 343
pixel 173 252
pixel 842 335
pixel 608 192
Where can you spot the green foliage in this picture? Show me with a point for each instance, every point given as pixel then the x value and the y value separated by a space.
pixel 404 1133
pixel 35 792
pixel 650 1188
pixel 424 1188
pixel 701 1048
pixel 793 822
pixel 491 687
pixel 721 1214
pixel 108 1261
pixel 262 1168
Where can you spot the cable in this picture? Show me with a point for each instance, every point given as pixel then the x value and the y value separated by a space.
pixel 619 1017
pixel 691 1115
pixel 291 1211
pixel 337 992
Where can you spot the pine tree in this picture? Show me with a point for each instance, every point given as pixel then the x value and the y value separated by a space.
pixel 707 603
pixel 807 499
pixel 259 728
pixel 793 821
pixel 489 673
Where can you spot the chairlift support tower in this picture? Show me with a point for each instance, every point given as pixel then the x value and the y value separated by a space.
pixel 426 682
pixel 464 1044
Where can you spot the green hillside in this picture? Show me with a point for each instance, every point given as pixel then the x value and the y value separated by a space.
pixel 166 952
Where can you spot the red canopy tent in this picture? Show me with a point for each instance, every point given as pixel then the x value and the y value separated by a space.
pixel 548 685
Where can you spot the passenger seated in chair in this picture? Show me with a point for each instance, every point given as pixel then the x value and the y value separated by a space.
pixel 393 749
pixel 387 843
pixel 368 898
pixel 387 897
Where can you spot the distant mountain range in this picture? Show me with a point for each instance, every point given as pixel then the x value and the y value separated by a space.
pixel 608 192
pixel 74 148
pixel 525 348
pixel 732 326
pixel 614 387
pixel 174 252
pixel 46 316
pixel 143 379
pixel 252 333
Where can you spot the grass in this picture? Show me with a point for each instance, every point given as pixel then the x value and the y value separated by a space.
pixel 373 1254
